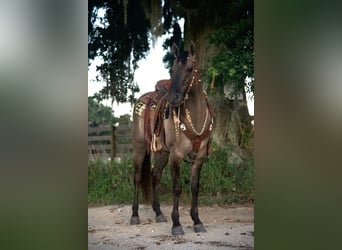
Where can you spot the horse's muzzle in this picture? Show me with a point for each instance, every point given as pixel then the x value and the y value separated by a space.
pixel 174 99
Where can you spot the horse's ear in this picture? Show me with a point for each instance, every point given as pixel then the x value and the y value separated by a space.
pixel 175 50
pixel 192 48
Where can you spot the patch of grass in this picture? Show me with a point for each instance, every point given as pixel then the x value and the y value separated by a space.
pixel 222 181
pixel 110 182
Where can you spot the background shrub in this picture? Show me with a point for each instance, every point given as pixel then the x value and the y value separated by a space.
pixel 222 180
pixel 110 182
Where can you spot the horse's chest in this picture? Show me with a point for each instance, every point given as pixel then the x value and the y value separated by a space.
pixel 174 138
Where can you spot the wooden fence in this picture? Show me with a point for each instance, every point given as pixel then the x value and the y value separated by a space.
pixel 123 144
pixel 107 142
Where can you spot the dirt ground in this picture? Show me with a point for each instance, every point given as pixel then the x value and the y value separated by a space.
pixel 230 227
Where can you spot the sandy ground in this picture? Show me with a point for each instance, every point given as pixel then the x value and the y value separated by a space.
pixel 227 228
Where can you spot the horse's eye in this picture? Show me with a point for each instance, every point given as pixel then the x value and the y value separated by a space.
pixel 189 69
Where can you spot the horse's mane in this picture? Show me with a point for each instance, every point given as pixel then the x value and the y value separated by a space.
pixel 183 57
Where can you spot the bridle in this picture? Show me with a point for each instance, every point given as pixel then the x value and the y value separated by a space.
pixel 176 115
pixel 186 96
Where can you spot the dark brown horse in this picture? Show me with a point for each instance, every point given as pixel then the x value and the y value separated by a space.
pixel 186 125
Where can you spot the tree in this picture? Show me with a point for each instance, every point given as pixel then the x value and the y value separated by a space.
pixel 99 114
pixel 120 38
pixel 233 69
pixel 223 32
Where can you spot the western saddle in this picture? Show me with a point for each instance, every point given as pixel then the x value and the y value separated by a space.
pixel 153 107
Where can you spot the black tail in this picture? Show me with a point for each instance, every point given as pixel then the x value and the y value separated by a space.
pixel 146 183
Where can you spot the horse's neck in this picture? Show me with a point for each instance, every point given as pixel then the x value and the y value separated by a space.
pixel 196 94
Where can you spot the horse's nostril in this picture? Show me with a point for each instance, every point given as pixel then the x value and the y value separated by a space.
pixel 174 98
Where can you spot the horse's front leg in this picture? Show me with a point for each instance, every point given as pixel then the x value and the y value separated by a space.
pixel 159 165
pixel 177 190
pixel 195 176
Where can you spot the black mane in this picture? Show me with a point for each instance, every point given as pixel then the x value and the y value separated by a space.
pixel 183 57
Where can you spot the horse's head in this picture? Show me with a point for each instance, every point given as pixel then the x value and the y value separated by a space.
pixel 181 75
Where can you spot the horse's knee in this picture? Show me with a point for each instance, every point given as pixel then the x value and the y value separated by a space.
pixel 195 187
pixel 137 177
pixel 156 173
pixel 177 190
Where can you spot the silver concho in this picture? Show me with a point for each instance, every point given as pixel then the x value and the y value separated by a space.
pixel 182 127
pixel 211 124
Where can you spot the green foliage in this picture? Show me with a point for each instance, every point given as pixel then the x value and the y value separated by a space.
pixel 176 38
pixel 221 181
pixel 99 114
pixel 110 182
pixel 120 38
pixel 235 61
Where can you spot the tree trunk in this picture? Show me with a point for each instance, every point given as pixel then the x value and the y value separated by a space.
pixel 232 123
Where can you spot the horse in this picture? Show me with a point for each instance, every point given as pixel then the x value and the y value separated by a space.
pixel 186 120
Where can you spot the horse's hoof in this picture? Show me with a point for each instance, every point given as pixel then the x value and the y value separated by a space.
pixel 178 230
pixel 199 228
pixel 161 218
pixel 135 220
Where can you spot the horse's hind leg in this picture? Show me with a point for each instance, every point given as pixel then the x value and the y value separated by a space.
pixel 138 161
pixel 160 161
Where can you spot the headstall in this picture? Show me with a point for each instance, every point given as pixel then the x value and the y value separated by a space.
pixel 176 115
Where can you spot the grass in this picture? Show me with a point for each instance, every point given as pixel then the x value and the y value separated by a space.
pixel 222 182
pixel 110 182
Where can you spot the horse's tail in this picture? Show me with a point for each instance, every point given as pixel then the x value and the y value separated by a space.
pixel 146 180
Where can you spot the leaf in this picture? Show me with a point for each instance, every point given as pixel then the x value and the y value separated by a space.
pixel 232 72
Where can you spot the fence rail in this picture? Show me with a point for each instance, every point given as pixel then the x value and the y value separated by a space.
pixel 108 142
pixel 123 143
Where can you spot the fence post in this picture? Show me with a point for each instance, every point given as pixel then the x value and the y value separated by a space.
pixel 113 142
